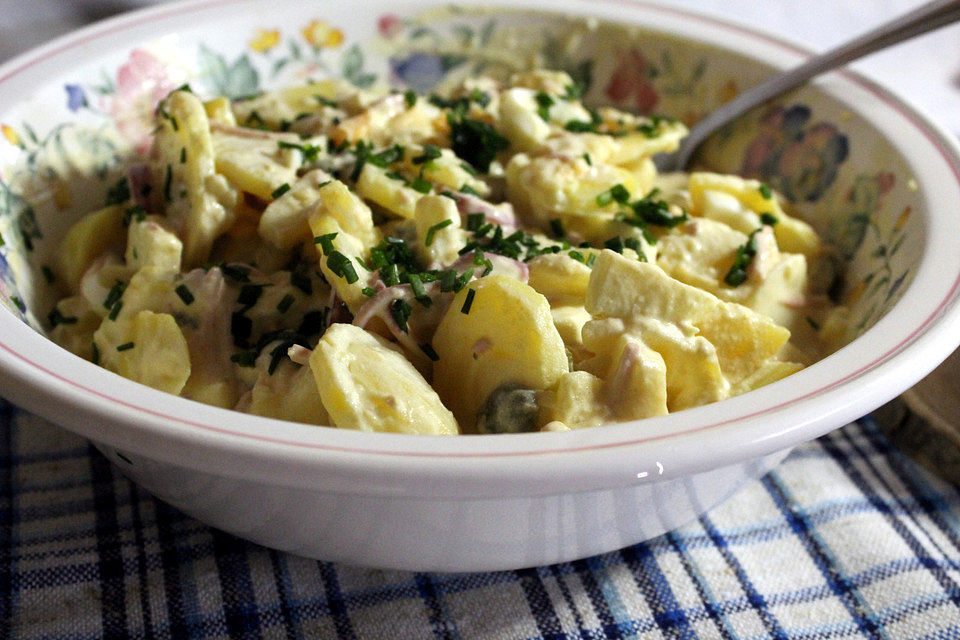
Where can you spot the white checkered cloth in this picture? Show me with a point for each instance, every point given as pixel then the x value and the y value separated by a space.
pixel 846 539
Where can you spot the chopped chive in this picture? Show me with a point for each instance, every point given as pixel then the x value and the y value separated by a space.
pixel 167 180
pixel 285 303
pixel 301 282
pixel 648 210
pixel 448 280
pixel 482 261
pixel 620 194
pixel 556 226
pixel 55 317
pixel 314 322
pixel 126 346
pixel 132 214
pixel 279 191
pixel 737 274
pixel 587 159
pixel 591 259
pixel 249 295
pixel 466 167
pixel 463 279
pixel 183 155
pixel 573 92
pixel 431 232
pixel 119 192
pixel 94 353
pixel 419 292
pixel 615 244
pixel 468 302
pixel 310 151
pixel 768 218
pixel 400 311
pixel 475 221
pixel 115 293
pixel 115 310
pixel 276 357
pixel 240 328
pixel 184 292
pixel 326 242
pixel 410 98
pixel 341 266
pixel 765 191
pixel 544 102
pixel 465 188
pixel 390 275
pixel 580 126
pixel 421 185
pixel 428 349
pixel 244 358
pixel 430 152
pixel 236 272
pixel 368 291
pixel 45 270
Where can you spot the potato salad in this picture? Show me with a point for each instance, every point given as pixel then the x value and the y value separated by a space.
pixel 497 259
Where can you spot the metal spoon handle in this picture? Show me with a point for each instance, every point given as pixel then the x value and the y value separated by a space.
pixel 927 17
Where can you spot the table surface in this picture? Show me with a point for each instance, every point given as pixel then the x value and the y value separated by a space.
pixel 849 537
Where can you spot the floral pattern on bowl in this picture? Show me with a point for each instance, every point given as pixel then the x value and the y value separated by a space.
pixel 802 146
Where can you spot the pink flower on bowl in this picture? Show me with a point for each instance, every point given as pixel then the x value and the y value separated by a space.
pixel 389 25
pixel 141 83
pixel 630 81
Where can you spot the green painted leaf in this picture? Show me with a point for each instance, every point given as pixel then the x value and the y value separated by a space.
pixel 352 69
pixel 231 80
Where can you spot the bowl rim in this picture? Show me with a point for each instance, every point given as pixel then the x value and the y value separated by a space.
pixel 55 384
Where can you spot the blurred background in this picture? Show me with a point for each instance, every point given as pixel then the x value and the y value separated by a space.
pixel 926 70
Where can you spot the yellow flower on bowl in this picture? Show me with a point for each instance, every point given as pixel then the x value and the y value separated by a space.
pixel 10 135
pixel 321 34
pixel 265 40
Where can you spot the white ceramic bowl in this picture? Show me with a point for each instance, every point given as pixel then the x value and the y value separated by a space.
pixel 875 176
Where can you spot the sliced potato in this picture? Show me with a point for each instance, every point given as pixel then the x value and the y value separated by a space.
pixel 438 244
pixel 89 238
pixel 289 393
pixel 155 354
pixel 284 221
pixel 366 385
pixel 739 202
pixel 498 331
pixel 149 244
pixel 576 400
pixel 199 202
pixel 393 195
pixel 627 289
pixel 254 161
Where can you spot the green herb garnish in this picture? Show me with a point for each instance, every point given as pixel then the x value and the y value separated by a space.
pixel 184 292
pixel 326 242
pixel 737 274
pixel 341 265
pixel 468 302
pixel 400 311
pixel 544 102
pixel 285 303
pixel 431 232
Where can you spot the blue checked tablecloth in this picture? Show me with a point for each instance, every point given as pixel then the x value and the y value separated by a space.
pixel 848 538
